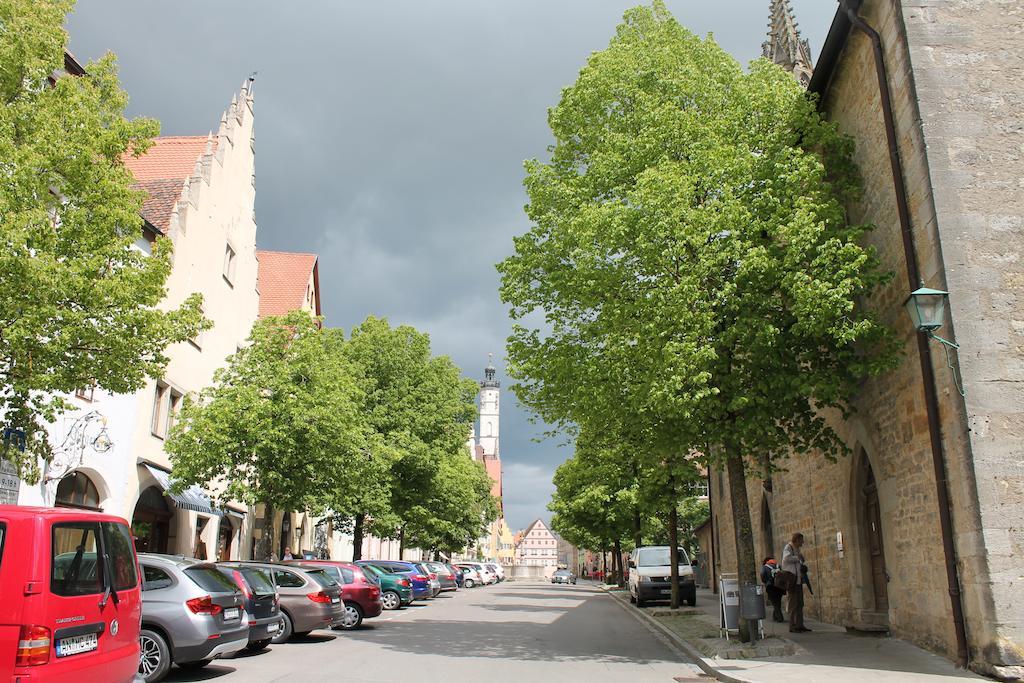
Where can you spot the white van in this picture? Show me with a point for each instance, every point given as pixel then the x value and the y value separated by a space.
pixel 650 575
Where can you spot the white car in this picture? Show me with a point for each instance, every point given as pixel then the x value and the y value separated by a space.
pixel 650 575
pixel 470 576
pixel 487 576
pixel 498 570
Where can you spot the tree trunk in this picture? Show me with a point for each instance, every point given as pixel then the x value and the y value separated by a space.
pixel 673 553
pixel 618 561
pixel 746 564
pixel 604 560
pixel 265 548
pixel 401 542
pixel 357 536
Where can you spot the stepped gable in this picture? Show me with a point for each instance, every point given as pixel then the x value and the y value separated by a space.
pixel 174 169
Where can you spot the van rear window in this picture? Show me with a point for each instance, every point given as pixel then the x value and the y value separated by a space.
pixel 73 561
pixel 209 579
pixel 117 546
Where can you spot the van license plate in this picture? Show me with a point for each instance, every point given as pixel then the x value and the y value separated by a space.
pixel 231 613
pixel 335 600
pixel 77 644
pixel 272 628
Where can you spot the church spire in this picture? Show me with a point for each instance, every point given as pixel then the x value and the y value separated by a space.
pixel 784 46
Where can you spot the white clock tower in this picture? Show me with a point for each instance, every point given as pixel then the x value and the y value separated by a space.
pixel 487 437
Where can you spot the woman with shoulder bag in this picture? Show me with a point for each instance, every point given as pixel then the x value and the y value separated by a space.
pixel 792 564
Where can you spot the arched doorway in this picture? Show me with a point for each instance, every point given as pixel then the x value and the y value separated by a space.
pixel 870 518
pixel 767 532
pixel 76 490
pixel 151 522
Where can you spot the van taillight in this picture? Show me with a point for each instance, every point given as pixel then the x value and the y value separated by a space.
pixel 319 597
pixel 203 605
pixel 33 646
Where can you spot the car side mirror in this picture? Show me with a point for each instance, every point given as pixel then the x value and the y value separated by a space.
pixel 694 564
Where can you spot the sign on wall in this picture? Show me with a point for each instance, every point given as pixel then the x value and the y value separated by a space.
pixel 9 483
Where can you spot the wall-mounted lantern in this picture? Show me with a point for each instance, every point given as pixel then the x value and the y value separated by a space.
pixel 927 310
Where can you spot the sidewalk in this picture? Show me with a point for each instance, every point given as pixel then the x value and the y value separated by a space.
pixel 828 653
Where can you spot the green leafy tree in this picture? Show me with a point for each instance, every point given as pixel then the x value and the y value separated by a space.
pixel 78 301
pixel 281 424
pixel 691 257
pixel 419 409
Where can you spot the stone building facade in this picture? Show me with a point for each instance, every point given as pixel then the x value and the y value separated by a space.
pixel 871 520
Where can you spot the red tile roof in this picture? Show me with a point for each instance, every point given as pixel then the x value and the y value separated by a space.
pixel 282 281
pixel 162 172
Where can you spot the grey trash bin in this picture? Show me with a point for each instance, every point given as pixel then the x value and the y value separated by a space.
pixel 752 602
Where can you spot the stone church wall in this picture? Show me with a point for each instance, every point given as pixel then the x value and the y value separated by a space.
pixel 960 146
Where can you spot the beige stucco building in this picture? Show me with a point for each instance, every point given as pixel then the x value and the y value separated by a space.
pixel 874 520
pixel 201 197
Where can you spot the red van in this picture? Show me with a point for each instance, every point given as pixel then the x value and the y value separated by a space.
pixel 70 606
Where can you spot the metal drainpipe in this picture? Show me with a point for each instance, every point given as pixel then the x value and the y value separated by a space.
pixel 924 350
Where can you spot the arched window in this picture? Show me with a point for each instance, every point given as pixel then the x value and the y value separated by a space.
pixel 76 490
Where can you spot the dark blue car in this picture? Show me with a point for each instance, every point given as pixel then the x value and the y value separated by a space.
pixel 420 582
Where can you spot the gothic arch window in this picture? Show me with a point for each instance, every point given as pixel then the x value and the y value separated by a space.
pixel 76 490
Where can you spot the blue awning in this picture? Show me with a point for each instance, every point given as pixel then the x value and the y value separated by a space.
pixel 192 498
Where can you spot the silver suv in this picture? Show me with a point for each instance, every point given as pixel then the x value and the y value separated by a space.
pixel 191 613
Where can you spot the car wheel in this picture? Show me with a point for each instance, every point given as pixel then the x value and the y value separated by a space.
pixel 154 656
pixel 391 600
pixel 469 583
pixel 198 664
pixel 353 616
pixel 258 645
pixel 286 630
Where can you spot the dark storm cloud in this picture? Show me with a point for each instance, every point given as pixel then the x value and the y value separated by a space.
pixel 390 138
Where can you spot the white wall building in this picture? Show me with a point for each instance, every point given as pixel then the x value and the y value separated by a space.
pixel 201 197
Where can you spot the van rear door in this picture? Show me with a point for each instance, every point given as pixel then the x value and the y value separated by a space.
pixel 92 607
pixel 11 585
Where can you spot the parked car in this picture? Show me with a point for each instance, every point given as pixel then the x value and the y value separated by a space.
pixel 360 590
pixel 70 599
pixel 310 599
pixel 498 570
pixel 470 575
pixel 445 576
pixel 262 604
pixel 487 576
pixel 435 583
pixel 421 588
pixel 191 614
pixel 650 569
pixel 563 576
pixel 395 589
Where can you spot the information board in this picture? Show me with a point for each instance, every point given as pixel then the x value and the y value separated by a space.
pixel 9 483
pixel 729 592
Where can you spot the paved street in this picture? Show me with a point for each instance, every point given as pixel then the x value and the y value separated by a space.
pixel 539 631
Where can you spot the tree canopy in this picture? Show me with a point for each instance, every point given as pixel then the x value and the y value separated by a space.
pixel 692 260
pixel 79 301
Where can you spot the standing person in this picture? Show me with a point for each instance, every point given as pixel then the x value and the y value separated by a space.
pixel 287 554
pixel 793 562
pixel 769 568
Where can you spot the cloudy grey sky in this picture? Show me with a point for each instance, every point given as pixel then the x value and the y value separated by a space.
pixel 390 137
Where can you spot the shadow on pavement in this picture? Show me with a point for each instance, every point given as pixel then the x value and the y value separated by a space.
pixel 207 673
pixel 587 631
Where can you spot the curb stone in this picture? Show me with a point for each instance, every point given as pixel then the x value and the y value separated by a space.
pixel 706 665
